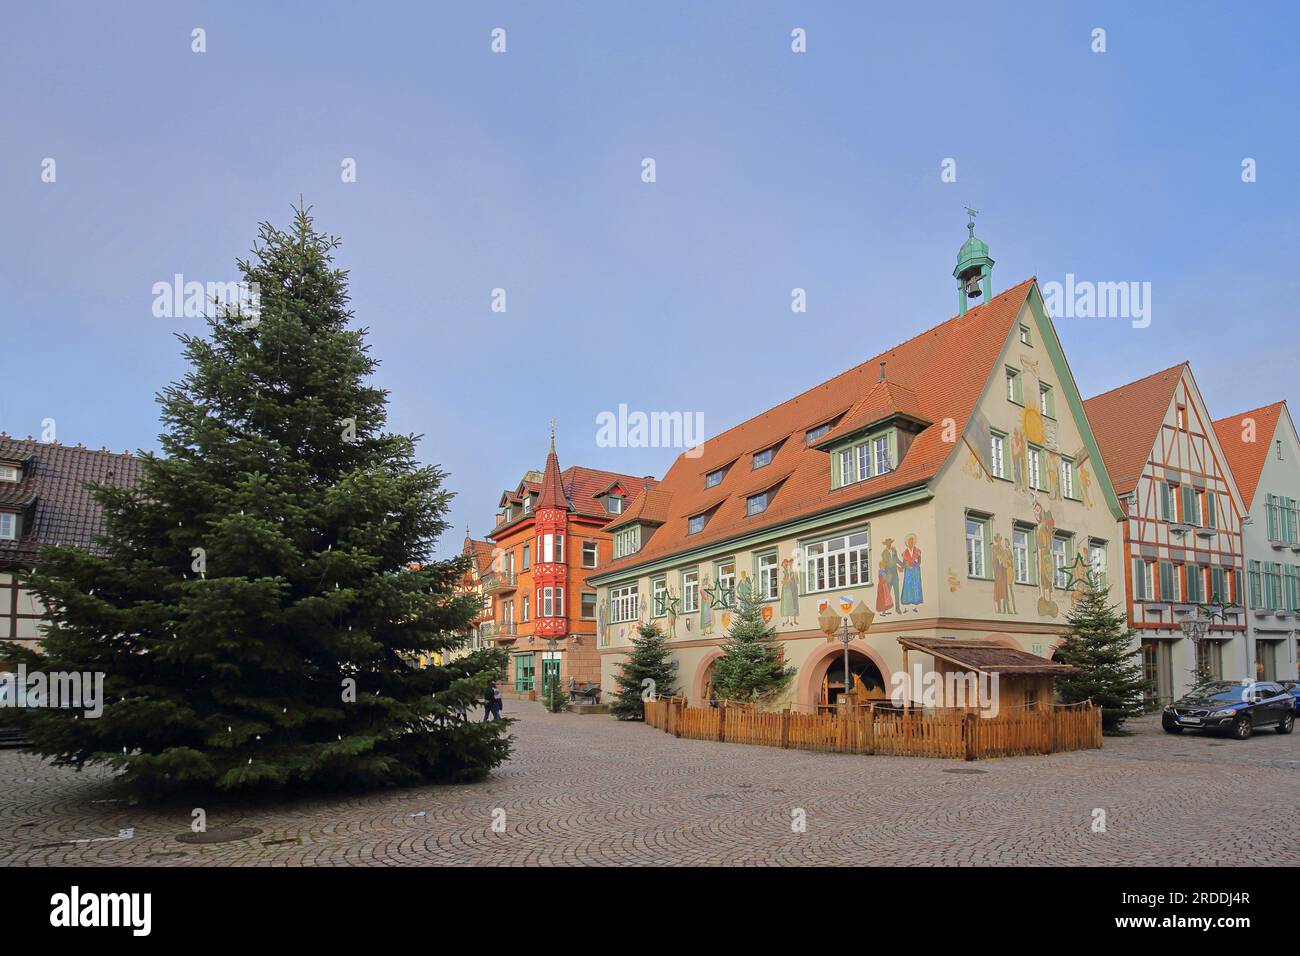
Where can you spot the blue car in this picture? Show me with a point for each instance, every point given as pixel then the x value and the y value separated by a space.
pixel 1292 687
pixel 1230 707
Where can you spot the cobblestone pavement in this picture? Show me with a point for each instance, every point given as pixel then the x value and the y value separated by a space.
pixel 590 790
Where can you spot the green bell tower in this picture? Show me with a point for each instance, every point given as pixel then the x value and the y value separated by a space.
pixel 974 272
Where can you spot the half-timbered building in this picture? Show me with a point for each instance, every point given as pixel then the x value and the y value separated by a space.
pixel 1182 529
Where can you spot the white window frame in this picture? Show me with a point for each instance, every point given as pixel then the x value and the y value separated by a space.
pixel 1034 465
pixel 837 562
pixel 1067 477
pixel 1027 552
pixel 10 473
pixel 594 549
pixel 691 591
pixel 977 544
pixel 769 581
pixel 659 596
pixel 624 604
pixel 880 455
pixel 997 454
pixel 9 526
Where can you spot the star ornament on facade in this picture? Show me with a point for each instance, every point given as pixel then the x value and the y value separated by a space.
pixel 1080 575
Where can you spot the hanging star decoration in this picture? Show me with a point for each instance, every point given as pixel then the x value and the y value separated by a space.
pixel 1080 574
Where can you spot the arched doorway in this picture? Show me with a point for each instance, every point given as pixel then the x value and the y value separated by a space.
pixel 865 680
pixel 701 690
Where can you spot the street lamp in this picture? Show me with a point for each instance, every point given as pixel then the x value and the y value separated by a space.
pixel 1194 629
pixel 861 617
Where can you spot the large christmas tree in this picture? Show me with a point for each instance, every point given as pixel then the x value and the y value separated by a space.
pixel 649 661
pixel 751 667
pixel 1100 646
pixel 263 600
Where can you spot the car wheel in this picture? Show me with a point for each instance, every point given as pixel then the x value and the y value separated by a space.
pixel 1241 727
pixel 1286 724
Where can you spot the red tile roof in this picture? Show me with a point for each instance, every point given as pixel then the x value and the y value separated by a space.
pixel 552 493
pixel 935 375
pixel 1246 459
pixel 481 552
pixel 54 485
pixel 1126 420
pixel 885 400
pixel 581 488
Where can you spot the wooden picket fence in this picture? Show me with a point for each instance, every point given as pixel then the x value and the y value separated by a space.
pixel 944 732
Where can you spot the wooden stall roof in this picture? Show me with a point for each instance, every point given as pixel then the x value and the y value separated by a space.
pixel 984 655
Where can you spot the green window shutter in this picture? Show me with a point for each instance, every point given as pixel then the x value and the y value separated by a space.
pixel 1166 503
pixel 1140 579
pixel 1211 512
pixel 835 469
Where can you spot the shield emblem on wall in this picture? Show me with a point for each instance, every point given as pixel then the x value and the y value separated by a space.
pixel 767 614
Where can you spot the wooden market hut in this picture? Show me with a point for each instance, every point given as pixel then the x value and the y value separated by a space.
pixel 1024 679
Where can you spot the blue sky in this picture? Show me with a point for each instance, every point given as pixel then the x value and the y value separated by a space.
pixel 522 171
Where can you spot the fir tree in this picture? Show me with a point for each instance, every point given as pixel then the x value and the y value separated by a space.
pixel 555 698
pixel 264 592
pixel 750 668
pixel 1108 671
pixel 649 661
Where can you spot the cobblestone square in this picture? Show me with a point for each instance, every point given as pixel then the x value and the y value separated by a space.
pixel 592 791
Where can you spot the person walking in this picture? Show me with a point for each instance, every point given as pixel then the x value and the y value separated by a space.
pixel 573 688
pixel 496 702
pixel 489 701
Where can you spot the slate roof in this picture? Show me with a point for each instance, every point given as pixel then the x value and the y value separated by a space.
pixel 53 486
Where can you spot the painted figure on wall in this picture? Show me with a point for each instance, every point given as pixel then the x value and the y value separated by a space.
pixel 889 568
pixel 1053 475
pixel 745 589
pixel 1001 586
pixel 706 606
pixel 789 594
pixel 602 620
pixel 1018 459
pixel 1085 483
pixel 1004 575
pixel 884 601
pixel 670 606
pixel 912 595
pixel 1046 568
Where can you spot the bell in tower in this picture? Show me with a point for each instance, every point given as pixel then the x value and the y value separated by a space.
pixel 974 270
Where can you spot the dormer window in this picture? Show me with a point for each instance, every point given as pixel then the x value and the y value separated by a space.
pixel 714 478
pixel 528 504
pixel 614 504
pixel 764 458
pixel 10 473
pixel 757 504
pixel 695 524
pixel 812 434
pixel 8 526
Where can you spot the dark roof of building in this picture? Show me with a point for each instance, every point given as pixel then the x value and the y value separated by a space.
pixel 58 508
pixel 985 656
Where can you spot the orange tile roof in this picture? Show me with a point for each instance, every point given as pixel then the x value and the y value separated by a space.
pixel 1126 420
pixel 885 400
pixel 481 551
pixel 935 375
pixel 1246 459
pixel 581 488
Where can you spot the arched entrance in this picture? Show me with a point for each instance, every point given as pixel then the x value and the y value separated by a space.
pixel 821 678
pixel 865 680
pixel 700 690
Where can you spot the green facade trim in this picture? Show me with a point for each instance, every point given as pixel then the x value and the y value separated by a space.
pixel 1066 378
pixel 726 548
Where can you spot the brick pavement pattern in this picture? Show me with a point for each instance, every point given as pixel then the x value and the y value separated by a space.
pixel 590 790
